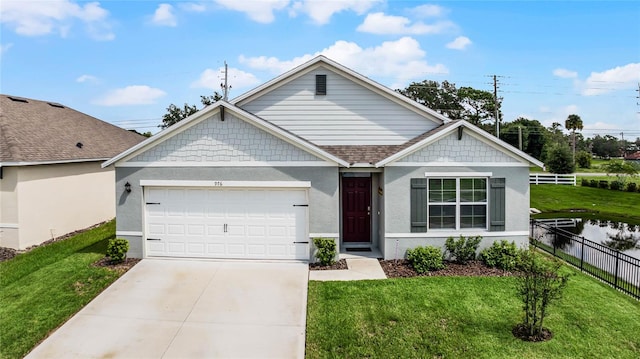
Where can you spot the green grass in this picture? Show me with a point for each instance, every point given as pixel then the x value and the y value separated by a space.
pixel 41 289
pixel 464 317
pixel 608 204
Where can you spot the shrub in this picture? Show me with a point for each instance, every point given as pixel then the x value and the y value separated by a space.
pixel 325 250
pixel 593 183
pixel 539 283
pixel 632 187
pixel 603 184
pixel 425 259
pixel 463 249
pixel 117 250
pixel 583 159
pixel 560 160
pixel 504 255
pixel 584 182
pixel 616 185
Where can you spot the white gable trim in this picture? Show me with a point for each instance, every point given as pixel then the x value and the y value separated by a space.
pixel 476 133
pixel 210 110
pixel 364 81
pixel 227 164
pixel 56 162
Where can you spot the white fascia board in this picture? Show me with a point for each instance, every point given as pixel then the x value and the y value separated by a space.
pixel 55 162
pixel 166 133
pixel 347 72
pixel 222 184
pixel 457 164
pixel 458 174
pixel 226 164
pixel 447 233
pixel 129 233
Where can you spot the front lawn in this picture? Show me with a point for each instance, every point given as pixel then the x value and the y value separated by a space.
pixel 41 289
pixel 464 317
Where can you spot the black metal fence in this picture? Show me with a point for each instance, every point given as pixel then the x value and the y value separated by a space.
pixel 618 269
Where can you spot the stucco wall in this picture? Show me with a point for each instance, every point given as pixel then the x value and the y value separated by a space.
pixel 53 200
pixel 323 194
pixel 398 236
pixel 9 207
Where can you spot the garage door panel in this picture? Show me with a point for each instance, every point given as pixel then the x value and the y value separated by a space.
pixel 227 223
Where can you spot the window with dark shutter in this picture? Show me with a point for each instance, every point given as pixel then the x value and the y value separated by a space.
pixel 418 205
pixel 321 84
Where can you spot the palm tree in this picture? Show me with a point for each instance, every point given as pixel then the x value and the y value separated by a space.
pixel 573 123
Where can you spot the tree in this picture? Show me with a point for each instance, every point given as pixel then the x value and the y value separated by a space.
pixel 559 159
pixel 479 106
pixel 533 132
pixel 176 114
pixel 583 159
pixel 605 146
pixel 573 123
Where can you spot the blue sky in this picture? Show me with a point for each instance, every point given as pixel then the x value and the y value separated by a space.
pixel 125 61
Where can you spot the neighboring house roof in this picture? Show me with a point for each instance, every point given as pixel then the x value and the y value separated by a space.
pixel 34 132
pixel 635 156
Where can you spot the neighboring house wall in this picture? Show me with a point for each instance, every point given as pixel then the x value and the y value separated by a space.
pixel 398 235
pixel 53 200
pixel 323 194
pixel 349 114
pixel 9 207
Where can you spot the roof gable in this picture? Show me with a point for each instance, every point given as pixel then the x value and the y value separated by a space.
pixel 33 131
pixel 208 139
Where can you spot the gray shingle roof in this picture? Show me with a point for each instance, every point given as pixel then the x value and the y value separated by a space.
pixel 41 131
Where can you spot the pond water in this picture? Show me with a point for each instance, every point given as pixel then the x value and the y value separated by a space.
pixel 620 236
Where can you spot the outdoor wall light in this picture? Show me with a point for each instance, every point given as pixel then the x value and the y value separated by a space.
pixel 127 187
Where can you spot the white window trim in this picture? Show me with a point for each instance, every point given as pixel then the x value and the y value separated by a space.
pixel 458 203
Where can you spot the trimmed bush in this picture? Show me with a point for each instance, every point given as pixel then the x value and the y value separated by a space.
pixel 593 183
pixel 504 255
pixel 632 187
pixel 117 250
pixel 616 185
pixel 603 184
pixel 463 249
pixel 584 182
pixel 325 250
pixel 560 160
pixel 583 159
pixel 425 259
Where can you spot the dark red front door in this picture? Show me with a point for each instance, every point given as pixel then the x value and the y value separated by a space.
pixel 356 209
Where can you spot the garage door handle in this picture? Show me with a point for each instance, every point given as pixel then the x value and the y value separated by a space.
pixel 154 239
pixel 302 242
pixel 153 203
pixel 301 205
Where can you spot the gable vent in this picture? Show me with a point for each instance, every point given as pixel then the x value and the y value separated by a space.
pixel 18 99
pixel 54 104
pixel 321 84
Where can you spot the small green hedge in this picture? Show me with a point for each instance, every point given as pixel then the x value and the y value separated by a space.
pixel 425 259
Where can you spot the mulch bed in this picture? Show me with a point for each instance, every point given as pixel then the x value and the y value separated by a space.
pixel 118 267
pixel 339 265
pixel 402 269
pixel 521 332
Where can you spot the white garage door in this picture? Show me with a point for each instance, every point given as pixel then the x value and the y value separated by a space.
pixel 226 223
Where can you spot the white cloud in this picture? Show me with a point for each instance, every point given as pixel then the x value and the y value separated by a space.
pixel 320 11
pixel 4 48
pixel 35 18
pixel 260 11
pixel 565 74
pixel 164 16
pixel 401 61
pixel 131 95
pixel 617 78
pixel 213 79
pixel 460 43
pixel 379 23
pixel 429 10
pixel 193 7
pixel 87 78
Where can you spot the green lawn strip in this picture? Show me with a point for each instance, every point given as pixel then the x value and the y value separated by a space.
pixel 607 203
pixel 470 317
pixel 45 287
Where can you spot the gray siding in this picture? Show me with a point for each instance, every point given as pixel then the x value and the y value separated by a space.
pixel 467 150
pixel 349 114
pixel 231 140
pixel 323 194
pixel 398 205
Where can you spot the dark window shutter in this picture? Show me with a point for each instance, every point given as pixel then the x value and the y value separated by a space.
pixel 418 205
pixel 321 84
pixel 496 204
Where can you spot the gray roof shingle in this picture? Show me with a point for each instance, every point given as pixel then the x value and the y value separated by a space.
pixel 41 131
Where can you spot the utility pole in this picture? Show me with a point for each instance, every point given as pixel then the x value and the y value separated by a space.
pixel 520 137
pixel 624 145
pixel 225 89
pixel 495 101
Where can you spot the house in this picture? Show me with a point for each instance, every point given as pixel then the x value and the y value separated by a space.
pixel 51 179
pixel 320 151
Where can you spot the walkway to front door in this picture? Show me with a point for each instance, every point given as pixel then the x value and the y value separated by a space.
pixel 356 209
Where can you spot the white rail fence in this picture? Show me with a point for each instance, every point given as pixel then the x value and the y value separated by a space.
pixel 543 178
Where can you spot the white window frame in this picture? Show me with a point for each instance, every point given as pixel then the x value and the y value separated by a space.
pixel 458 203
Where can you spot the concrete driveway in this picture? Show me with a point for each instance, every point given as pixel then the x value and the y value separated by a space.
pixel 191 309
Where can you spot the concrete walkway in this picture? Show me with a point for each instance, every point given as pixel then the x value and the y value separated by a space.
pixel 360 268
pixel 191 309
